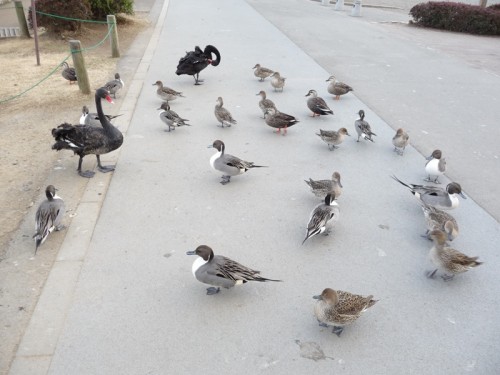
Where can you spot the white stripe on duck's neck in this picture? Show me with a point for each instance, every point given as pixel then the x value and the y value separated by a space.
pixel 214 157
pixel 199 262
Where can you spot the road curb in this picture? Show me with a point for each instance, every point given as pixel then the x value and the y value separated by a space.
pixel 38 344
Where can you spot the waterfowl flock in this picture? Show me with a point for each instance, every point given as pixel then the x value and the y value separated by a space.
pixel 334 307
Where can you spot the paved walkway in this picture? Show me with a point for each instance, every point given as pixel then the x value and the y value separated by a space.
pixel 122 299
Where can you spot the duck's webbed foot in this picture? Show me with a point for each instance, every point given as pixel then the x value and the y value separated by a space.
pixel 212 290
pixel 225 180
pixel 447 277
pixel 337 330
pixel 429 179
pixel 431 274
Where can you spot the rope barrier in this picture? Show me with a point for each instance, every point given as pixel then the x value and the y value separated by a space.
pixel 57 67
pixel 36 84
pixel 68 18
pixel 98 43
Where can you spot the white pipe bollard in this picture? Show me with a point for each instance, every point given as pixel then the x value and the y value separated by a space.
pixel 339 5
pixel 325 2
pixel 356 8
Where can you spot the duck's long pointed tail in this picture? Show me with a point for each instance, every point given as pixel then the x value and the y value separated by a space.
pixel 401 182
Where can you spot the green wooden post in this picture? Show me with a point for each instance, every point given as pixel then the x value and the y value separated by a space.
pixel 23 25
pixel 79 64
pixel 115 48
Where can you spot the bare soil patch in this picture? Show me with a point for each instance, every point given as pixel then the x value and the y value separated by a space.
pixel 27 158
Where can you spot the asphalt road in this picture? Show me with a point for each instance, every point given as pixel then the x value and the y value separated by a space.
pixel 135 307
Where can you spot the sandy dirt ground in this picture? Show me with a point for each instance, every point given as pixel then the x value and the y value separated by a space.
pixel 28 163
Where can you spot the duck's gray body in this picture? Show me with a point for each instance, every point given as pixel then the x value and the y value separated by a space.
pixel 166 93
pixel 91 118
pixel 321 188
pixel 171 118
pixel 435 166
pixel 277 81
pixel 48 216
pixel 264 103
pixel 261 72
pixel 323 217
pixel 115 85
pixel 228 164
pixel 436 219
pixel 444 199
pixel 317 105
pixel 333 138
pixel 220 271
pixel 337 88
pixel 363 128
pixel 279 120
pixel 400 141
pixel 222 114
pixel 69 73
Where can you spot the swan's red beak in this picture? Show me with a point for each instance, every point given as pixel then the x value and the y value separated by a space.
pixel 108 98
pixel 210 61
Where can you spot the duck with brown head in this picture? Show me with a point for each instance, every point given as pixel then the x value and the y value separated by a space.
pixel 219 271
pixel 228 164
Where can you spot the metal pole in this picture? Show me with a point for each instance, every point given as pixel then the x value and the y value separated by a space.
pixel 35 31
pixel 115 49
pixel 21 19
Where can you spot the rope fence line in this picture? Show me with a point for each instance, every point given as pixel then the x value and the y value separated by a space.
pixel 68 18
pixel 36 84
pixel 98 44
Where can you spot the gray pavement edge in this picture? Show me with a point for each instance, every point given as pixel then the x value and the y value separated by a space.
pixel 39 341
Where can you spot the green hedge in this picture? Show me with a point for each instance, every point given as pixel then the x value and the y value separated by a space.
pixel 96 10
pixel 101 8
pixel 457 17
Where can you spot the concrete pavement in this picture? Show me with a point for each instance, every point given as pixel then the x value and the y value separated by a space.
pixel 126 300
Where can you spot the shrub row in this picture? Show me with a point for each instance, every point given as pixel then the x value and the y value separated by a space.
pixel 457 17
pixel 79 9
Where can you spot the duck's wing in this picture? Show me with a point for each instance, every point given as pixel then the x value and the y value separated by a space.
pixel 320 184
pixel 286 118
pixel 319 217
pixel 235 162
pixel 353 304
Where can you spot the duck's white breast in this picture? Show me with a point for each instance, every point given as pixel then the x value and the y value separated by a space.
pixel 214 158
pixel 197 264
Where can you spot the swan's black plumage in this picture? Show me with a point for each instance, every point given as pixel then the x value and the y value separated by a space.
pixel 195 61
pixel 85 139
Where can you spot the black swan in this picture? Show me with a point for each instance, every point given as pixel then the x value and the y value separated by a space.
pixel 195 61
pixel 86 139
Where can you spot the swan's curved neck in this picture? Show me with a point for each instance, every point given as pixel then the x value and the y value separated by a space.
pixel 106 124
